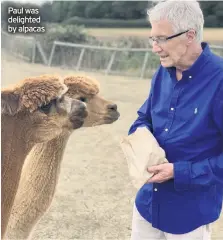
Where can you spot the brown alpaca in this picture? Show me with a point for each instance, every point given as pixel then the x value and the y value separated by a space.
pixel 42 166
pixel 34 111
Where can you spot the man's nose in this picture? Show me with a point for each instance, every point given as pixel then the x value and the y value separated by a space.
pixel 156 48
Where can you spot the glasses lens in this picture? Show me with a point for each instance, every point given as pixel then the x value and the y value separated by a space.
pixel 150 41
pixel 158 40
pixel 161 40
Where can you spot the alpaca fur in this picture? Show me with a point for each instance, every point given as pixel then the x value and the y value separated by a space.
pixel 31 93
pixel 42 166
pixel 82 85
pixel 24 125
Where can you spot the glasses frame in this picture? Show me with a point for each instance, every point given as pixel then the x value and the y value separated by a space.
pixel 152 39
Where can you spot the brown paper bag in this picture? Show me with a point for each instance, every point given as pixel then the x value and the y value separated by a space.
pixel 141 151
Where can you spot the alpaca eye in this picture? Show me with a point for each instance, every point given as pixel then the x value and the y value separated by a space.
pixel 47 107
pixel 83 99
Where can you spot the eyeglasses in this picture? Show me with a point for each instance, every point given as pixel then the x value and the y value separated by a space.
pixel 162 40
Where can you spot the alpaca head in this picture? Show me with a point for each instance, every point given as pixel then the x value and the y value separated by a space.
pixel 100 110
pixel 40 107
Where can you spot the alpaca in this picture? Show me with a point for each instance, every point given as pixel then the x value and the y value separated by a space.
pixel 33 111
pixel 42 166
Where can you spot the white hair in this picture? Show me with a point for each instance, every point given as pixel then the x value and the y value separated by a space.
pixel 183 15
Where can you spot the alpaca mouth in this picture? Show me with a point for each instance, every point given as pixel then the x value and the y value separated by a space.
pixel 82 114
pixel 77 122
pixel 112 117
pixel 77 119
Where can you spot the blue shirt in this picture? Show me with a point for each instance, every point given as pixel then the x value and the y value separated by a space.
pixel 186 118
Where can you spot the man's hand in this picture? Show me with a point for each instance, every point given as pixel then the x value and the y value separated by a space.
pixel 163 172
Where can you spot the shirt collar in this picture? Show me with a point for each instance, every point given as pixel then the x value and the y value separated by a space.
pixel 194 69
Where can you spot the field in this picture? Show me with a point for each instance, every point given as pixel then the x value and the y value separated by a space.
pixel 210 34
pixel 94 196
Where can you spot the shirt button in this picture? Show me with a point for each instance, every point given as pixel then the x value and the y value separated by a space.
pixel 155 189
pixel 172 109
pixel 166 129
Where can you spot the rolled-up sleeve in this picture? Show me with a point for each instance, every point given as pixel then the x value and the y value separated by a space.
pixel 144 116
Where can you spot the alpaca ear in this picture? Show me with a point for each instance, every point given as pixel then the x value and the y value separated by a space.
pixel 9 102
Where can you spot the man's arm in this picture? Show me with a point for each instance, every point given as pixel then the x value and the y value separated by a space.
pixel 210 170
pixel 144 116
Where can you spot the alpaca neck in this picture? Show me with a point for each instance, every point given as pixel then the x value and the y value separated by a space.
pixel 14 151
pixel 45 158
pixel 38 181
pixel 14 146
pixel 42 167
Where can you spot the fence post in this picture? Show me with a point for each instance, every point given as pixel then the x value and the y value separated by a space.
pixel 43 55
pixel 110 62
pixel 62 60
pixel 144 65
pixel 34 51
pixel 51 54
pixel 80 59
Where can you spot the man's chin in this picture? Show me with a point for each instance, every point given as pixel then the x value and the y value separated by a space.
pixel 166 64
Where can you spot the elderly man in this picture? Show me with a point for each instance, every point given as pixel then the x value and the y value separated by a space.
pixel 184 112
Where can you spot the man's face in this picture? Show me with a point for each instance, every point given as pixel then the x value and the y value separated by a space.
pixel 171 51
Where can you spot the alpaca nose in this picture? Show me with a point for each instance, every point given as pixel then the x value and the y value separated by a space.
pixel 79 108
pixel 78 105
pixel 82 106
pixel 112 107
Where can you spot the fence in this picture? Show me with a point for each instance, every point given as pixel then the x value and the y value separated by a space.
pixel 138 62
pixel 115 61
pixel 25 48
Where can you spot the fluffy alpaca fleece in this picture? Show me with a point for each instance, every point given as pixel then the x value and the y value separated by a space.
pixel 31 93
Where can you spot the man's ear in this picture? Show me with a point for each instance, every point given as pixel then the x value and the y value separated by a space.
pixel 191 36
pixel 9 102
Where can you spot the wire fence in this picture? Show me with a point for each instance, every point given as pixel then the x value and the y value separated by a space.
pixel 18 46
pixel 135 62
pixel 114 61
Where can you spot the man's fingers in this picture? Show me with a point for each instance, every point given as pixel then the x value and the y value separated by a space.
pixel 153 179
pixel 157 168
pixel 154 169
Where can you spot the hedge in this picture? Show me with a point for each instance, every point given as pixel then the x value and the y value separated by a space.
pixel 107 23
